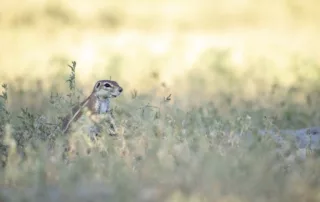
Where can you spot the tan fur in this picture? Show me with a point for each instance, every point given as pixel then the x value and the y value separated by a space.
pixel 100 94
pixel 98 111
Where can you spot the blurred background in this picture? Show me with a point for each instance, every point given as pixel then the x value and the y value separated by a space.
pixel 250 53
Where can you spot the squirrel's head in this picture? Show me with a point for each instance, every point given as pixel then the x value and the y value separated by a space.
pixel 107 89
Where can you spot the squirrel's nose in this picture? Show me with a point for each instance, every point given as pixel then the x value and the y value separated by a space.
pixel 120 89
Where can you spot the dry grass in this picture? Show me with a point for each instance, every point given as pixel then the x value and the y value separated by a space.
pixel 234 66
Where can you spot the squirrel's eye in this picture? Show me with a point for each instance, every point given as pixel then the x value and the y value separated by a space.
pixel 107 85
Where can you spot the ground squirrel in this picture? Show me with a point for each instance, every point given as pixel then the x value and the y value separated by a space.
pixel 97 105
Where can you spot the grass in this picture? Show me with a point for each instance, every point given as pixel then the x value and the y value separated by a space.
pixel 195 76
pixel 164 151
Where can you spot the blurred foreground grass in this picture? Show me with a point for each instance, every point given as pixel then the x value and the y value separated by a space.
pixel 174 149
pixel 233 66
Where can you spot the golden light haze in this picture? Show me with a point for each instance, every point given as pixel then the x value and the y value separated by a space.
pixel 129 40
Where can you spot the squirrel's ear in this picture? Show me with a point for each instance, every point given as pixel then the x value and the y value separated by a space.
pixel 98 84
